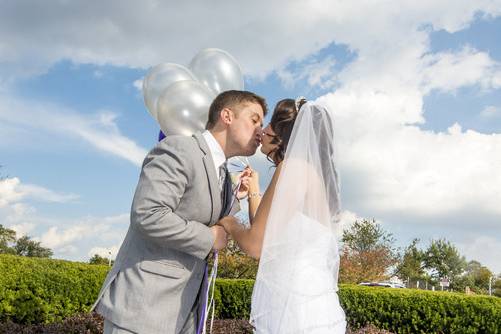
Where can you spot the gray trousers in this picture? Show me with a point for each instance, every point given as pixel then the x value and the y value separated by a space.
pixel 190 327
pixel 111 328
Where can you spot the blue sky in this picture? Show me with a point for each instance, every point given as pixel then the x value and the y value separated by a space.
pixel 416 90
pixel 441 109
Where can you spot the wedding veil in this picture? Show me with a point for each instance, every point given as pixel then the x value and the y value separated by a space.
pixel 299 261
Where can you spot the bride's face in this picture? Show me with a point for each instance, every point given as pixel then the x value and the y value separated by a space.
pixel 267 138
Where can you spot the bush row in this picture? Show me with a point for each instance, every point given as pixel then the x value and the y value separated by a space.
pixel 38 290
pixel 43 291
pixel 418 311
pixel 397 310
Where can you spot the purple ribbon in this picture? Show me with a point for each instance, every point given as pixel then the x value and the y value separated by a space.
pixel 161 135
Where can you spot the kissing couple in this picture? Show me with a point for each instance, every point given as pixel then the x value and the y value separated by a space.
pixel 183 209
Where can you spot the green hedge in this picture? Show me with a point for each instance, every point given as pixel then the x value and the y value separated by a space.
pixel 233 297
pixel 397 310
pixel 35 290
pixel 418 311
pixel 42 290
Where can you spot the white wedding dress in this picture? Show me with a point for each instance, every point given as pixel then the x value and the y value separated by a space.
pixel 296 285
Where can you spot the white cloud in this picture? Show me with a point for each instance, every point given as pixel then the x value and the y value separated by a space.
pixel 483 249
pixel 18 215
pixel 449 71
pixel 389 166
pixel 99 130
pixel 22 229
pixel 138 84
pixel 347 218
pixel 59 234
pixel 75 238
pixel 12 191
pixel 262 35
pixel 105 252
pixel 47 195
pixel 316 73
pixel 55 239
pixel 66 237
pixel 8 192
pixel 62 236
pixel 67 250
pixel 490 112
pixel 400 168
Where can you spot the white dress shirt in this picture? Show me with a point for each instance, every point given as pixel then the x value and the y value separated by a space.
pixel 216 151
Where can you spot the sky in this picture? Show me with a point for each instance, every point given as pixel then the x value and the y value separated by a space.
pixel 415 88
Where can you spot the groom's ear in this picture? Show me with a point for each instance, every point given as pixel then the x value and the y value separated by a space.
pixel 226 116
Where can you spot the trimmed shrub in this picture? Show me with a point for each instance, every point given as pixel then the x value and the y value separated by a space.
pixel 37 290
pixel 397 310
pixel 233 298
pixel 34 290
pixel 418 311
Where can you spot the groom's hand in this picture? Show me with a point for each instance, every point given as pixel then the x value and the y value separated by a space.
pixel 220 237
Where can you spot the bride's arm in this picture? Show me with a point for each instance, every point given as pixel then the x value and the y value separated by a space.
pixel 250 239
pixel 254 195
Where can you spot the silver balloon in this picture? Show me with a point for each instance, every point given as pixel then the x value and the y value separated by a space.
pixel 218 70
pixel 158 79
pixel 183 107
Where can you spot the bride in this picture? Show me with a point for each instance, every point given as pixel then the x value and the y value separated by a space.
pixel 293 225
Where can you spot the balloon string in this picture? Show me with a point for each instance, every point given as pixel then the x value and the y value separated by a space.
pixel 211 305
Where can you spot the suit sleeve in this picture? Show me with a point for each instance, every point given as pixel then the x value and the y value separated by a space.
pixel 164 178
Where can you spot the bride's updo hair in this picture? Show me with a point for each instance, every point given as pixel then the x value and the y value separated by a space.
pixel 282 122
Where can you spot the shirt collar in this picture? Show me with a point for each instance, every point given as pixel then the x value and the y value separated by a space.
pixel 215 149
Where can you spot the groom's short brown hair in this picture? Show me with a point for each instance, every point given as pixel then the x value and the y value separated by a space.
pixel 229 99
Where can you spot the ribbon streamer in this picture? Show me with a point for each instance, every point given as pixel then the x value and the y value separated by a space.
pixel 209 283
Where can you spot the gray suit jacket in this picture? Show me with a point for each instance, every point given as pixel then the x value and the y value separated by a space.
pixel 157 274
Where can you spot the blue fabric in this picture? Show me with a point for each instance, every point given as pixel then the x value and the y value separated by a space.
pixel 161 136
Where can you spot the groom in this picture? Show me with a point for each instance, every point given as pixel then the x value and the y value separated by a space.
pixel 155 283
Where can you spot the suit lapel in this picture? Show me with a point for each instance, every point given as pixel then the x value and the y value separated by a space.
pixel 215 193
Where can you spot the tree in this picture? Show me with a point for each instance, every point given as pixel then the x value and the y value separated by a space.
pixel 496 286
pixel 97 259
pixel 23 246
pixel 26 247
pixel 480 274
pixel 367 253
pixel 366 235
pixel 7 236
pixel 476 277
pixel 444 261
pixel 411 267
pixel 233 263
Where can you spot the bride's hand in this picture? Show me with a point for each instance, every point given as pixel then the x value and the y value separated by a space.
pixel 243 191
pixel 226 222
